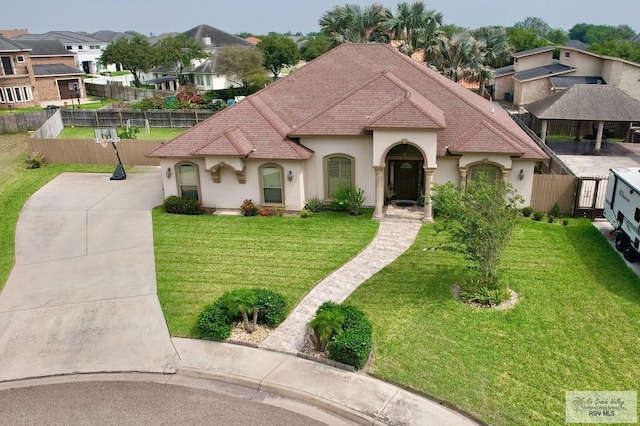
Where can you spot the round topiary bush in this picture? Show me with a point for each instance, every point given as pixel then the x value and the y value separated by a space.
pixel 272 307
pixel 214 323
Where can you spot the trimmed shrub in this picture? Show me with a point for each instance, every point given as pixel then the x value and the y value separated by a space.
pixel 550 219
pixel 182 205
pixel 538 216
pixel 272 307
pixel 249 208
pixel 214 323
pixel 353 345
pixel 527 211
pixel 555 211
pixel 349 199
pixel 565 222
pixel 315 205
pixel 305 213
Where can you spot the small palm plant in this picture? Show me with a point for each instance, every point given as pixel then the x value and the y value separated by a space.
pixel 243 302
pixel 325 325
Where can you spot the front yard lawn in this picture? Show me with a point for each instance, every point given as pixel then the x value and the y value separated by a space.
pixel 198 258
pixel 576 326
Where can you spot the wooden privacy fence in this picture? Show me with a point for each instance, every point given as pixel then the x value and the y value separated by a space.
pixel 116 90
pixel 23 121
pixel 86 151
pixel 119 117
pixel 550 189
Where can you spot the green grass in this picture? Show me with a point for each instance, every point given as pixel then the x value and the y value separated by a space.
pixel 156 133
pixel 576 326
pixel 198 258
pixel 17 184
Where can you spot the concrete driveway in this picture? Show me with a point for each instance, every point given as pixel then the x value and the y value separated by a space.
pixel 82 298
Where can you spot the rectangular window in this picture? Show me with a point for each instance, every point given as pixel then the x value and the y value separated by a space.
pixel 18 94
pixel 208 78
pixel 567 55
pixel 69 47
pixel 188 175
pixel 272 184
pixel 80 47
pixel 9 94
pixel 6 65
pixel 2 96
pixel 338 173
pixel 27 93
pixel 20 58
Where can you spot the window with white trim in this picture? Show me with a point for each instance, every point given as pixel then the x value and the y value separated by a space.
pixel 7 66
pixel 2 101
pixel 338 173
pixel 271 179
pixel 18 93
pixel 19 58
pixel 188 181
pixel 492 172
pixel 9 94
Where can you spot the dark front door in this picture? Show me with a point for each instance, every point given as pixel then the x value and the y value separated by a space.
pixel 406 179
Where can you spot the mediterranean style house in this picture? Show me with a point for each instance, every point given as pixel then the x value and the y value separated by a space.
pixel 34 72
pixel 361 114
pixel 535 74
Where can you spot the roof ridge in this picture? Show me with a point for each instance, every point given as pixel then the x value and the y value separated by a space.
pixel 409 96
pixel 237 139
pixel 272 117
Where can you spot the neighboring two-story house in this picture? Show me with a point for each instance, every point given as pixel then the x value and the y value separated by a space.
pixel 202 74
pixel 34 72
pixel 87 49
pixel 535 74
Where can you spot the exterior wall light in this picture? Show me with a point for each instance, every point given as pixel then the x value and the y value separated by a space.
pixel 290 176
pixel 521 175
pixel 168 172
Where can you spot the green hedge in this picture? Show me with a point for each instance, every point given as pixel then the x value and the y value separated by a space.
pixel 214 321
pixel 181 205
pixel 353 345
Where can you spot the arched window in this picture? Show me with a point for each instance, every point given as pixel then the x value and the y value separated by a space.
pixel 271 177
pixel 492 172
pixel 188 181
pixel 338 172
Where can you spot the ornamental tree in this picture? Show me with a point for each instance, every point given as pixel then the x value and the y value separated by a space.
pixel 178 54
pixel 135 55
pixel 279 52
pixel 480 219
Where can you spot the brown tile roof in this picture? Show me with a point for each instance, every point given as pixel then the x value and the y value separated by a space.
pixel 599 102
pixel 348 91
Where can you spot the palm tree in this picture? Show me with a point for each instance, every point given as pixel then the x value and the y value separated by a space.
pixel 351 23
pixel 458 57
pixel 243 302
pixel 414 24
pixel 324 325
pixel 498 50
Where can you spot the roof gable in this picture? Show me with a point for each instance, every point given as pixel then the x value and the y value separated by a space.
pixel 486 138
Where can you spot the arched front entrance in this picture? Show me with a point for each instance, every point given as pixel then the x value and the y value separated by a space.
pixel 405 173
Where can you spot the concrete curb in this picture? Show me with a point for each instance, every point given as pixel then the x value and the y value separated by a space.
pixel 285 391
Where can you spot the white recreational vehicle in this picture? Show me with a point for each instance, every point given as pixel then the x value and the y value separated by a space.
pixel 622 209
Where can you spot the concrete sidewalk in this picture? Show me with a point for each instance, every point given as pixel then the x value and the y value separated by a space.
pixel 357 397
pixel 82 299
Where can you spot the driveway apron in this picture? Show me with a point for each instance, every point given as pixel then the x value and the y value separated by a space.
pixel 82 294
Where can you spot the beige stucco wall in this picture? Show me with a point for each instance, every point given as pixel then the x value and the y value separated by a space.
pixel 426 140
pixel 531 91
pixel 359 148
pixel 587 65
pixel 502 85
pixel 533 61
pixel 629 80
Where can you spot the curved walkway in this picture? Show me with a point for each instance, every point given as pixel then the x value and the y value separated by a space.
pixel 82 299
pixel 394 237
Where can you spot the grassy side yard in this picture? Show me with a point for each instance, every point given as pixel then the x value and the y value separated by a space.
pixel 200 257
pixel 156 133
pixel 16 185
pixel 576 326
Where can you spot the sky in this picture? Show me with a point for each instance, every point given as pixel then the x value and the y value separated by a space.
pixel 262 16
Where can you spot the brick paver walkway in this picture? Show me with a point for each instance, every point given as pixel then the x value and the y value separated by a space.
pixel 394 237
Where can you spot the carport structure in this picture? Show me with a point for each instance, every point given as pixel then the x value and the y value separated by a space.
pixel 587 102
